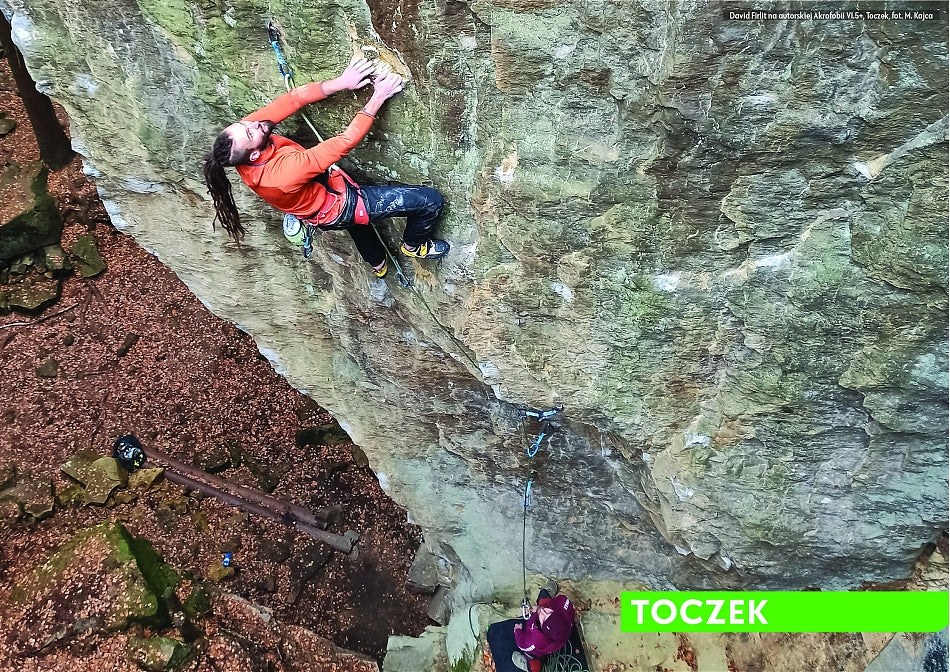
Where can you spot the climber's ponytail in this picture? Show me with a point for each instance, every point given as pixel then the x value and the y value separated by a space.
pixel 219 187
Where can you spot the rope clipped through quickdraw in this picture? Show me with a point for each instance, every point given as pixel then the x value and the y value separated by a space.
pixel 525 604
pixel 546 426
pixel 545 417
pixel 273 35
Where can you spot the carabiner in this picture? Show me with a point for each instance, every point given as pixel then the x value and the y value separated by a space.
pixel 533 449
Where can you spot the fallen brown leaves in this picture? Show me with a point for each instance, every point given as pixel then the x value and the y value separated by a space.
pixel 189 383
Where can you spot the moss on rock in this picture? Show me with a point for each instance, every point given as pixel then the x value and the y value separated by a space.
pixel 101 579
pixel 29 218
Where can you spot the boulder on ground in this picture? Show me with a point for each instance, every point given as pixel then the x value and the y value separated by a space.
pixel 33 293
pixel 87 255
pixel 425 652
pixel 32 495
pixel 102 579
pixel 159 654
pixel 98 475
pixel 29 218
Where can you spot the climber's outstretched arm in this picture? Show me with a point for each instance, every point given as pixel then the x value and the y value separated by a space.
pixel 296 168
pixel 356 76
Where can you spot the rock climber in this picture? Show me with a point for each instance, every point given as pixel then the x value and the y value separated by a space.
pixel 547 630
pixel 306 184
pixel 522 644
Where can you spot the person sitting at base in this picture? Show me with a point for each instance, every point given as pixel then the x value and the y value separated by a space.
pixel 305 183
pixel 547 630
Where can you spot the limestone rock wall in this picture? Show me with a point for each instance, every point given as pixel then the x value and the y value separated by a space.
pixel 721 245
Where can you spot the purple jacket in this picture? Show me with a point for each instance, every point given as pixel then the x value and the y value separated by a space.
pixel 537 639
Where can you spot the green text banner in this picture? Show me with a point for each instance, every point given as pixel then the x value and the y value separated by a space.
pixel 721 611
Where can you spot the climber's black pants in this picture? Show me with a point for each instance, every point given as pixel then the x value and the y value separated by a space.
pixel 421 206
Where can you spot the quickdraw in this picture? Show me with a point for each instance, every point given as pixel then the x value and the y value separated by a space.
pixel 274 36
pixel 540 415
pixel 545 418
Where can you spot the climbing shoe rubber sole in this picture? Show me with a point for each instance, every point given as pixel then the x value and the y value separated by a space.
pixel 431 249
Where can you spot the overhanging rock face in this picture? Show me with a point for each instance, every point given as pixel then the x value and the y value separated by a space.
pixel 721 245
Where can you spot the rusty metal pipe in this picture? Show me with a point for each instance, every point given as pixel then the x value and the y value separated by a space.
pixel 251 501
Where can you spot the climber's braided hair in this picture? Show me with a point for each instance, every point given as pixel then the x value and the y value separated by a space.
pixel 219 187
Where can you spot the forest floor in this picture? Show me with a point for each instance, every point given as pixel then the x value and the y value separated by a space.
pixel 131 350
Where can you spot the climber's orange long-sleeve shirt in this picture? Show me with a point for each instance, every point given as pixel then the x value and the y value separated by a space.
pixel 283 174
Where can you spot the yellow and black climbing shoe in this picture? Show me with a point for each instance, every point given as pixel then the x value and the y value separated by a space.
pixel 382 270
pixel 431 249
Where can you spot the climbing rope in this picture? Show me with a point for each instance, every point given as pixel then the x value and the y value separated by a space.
pixel 545 417
pixel 563 660
pixel 525 604
pixel 273 34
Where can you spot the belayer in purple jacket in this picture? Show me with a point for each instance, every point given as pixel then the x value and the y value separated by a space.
pixel 548 628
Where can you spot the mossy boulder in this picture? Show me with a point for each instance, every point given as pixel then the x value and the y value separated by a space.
pixel 143 479
pixel 56 261
pixel 33 293
pixel 102 579
pixel 29 218
pixel 86 252
pixel 198 603
pixel 98 475
pixel 159 654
